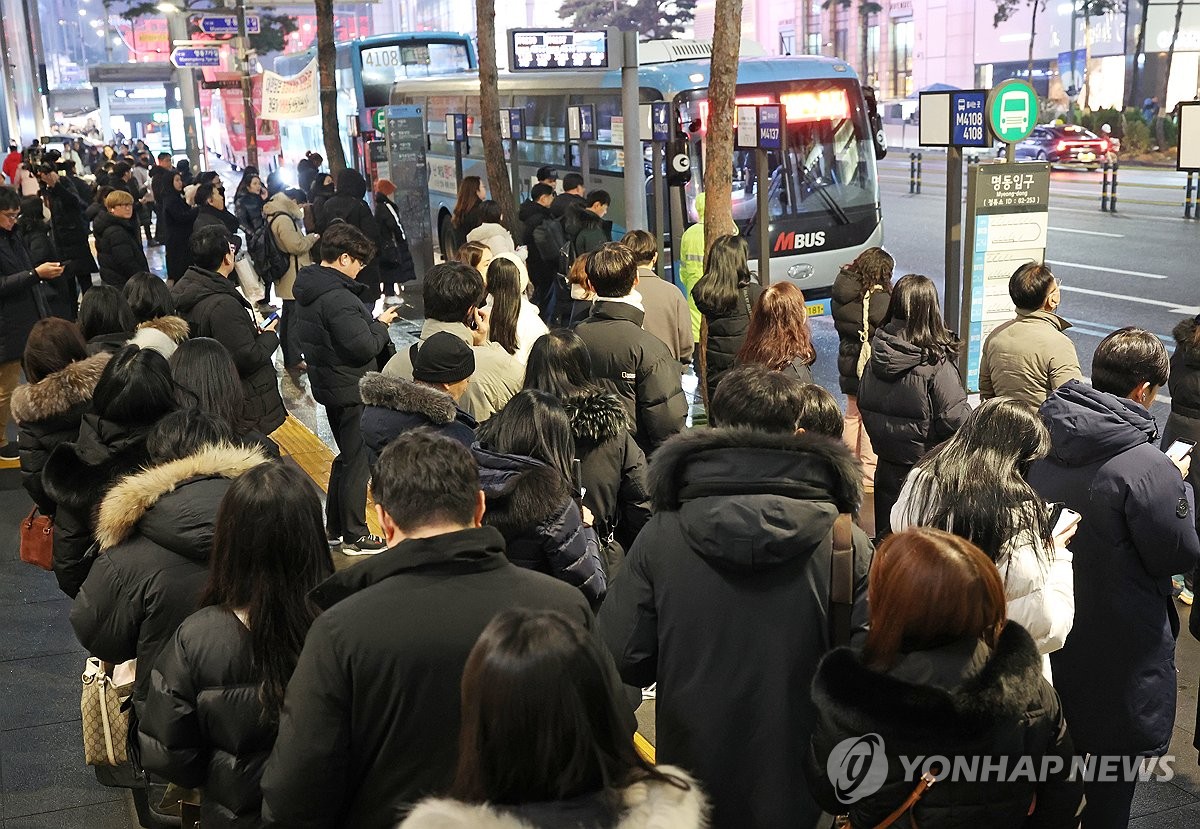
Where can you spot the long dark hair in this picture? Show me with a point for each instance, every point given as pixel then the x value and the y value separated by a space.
pixel 873 267
pixel 468 199
pixel 205 377
pixel 726 271
pixel 135 388
pixel 533 424
pixel 148 297
pixel 53 344
pixel 778 333
pixel 269 551
pixel 33 217
pixel 103 310
pixel 974 484
pixel 561 365
pixel 539 720
pixel 915 303
pixel 504 284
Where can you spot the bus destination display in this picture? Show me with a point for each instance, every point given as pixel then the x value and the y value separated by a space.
pixel 547 49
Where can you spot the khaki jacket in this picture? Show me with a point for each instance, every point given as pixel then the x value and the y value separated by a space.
pixel 667 315
pixel 1027 358
pixel 290 239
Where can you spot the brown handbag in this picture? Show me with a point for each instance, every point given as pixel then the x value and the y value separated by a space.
pixel 37 539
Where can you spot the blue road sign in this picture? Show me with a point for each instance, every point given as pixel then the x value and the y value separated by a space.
pixel 967 128
pixel 227 24
pixel 587 122
pixel 195 57
pixel 516 124
pixel 660 127
pixel 457 123
pixel 770 127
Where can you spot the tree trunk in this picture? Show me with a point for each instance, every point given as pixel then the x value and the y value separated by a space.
pixel 1162 105
pixel 489 111
pixel 722 90
pixel 865 17
pixel 1087 57
pixel 1032 35
pixel 1139 50
pixel 326 68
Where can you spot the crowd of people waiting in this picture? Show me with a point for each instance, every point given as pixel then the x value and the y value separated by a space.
pixel 554 540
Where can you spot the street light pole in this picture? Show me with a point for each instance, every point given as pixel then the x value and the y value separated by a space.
pixel 178 30
pixel 243 50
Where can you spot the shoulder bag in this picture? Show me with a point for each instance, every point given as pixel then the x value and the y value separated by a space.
pixel 37 539
pixel 923 785
pixel 105 710
pixel 864 336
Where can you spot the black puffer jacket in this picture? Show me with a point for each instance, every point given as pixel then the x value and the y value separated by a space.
pixel 70 227
pixel 531 505
pixel 119 248
pixel 48 413
pixel 846 305
pixel 393 406
pixel 76 477
pixel 726 333
pixel 592 232
pixel 213 307
pixel 733 569
pixel 640 367
pixel 209 216
pixel 203 726
pixel 249 211
pixel 178 218
pixel 23 296
pixel 909 405
pixel 1184 420
pixel 614 472
pixel 543 249
pixel 155 533
pixel 960 700
pixel 347 204
pixel 340 341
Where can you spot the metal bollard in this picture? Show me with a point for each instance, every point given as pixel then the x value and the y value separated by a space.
pixel 1112 202
pixel 1104 189
pixel 918 174
pixel 1187 200
pixel 912 173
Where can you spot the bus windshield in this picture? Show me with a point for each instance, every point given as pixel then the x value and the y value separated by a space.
pixel 825 172
pixel 383 66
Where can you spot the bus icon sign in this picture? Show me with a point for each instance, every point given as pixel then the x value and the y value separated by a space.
pixel 1012 110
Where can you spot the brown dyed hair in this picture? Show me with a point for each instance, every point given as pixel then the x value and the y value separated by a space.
pixel 53 344
pixel 929 588
pixel 874 267
pixel 778 331
pixel 468 198
pixel 472 253
pixel 643 245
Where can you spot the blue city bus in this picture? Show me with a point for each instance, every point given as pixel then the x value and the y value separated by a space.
pixel 367 69
pixel 823 188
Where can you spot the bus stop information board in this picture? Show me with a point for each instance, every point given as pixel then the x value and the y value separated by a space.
pixel 409 171
pixel 545 49
pixel 1006 227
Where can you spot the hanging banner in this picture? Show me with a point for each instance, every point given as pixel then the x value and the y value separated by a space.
pixel 292 97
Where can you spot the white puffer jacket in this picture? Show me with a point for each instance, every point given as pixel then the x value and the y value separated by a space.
pixel 1040 588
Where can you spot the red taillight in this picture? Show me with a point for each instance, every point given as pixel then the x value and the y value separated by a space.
pixel 1062 145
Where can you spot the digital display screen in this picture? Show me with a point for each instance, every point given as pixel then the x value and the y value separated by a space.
pixel 539 50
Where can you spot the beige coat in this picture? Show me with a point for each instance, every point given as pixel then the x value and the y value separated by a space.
pixel 667 315
pixel 1027 358
pixel 290 238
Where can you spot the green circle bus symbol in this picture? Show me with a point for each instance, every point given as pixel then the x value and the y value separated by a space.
pixel 1012 109
pixel 379 119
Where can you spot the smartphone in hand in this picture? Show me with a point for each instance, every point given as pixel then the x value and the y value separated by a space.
pixel 1062 518
pixel 1180 449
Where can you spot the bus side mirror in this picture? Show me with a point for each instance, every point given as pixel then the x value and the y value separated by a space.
pixel 878 135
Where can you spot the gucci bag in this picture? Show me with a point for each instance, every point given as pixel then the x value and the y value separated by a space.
pixel 37 539
pixel 105 712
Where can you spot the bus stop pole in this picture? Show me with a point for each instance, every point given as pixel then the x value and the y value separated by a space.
pixel 585 163
pixel 762 190
pixel 954 180
pixel 635 175
pixel 516 172
pixel 660 208
pixel 458 173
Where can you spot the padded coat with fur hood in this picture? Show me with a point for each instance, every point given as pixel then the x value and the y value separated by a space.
pixel 48 413
pixel 724 601
pixel 531 505
pixel 161 334
pixel 649 804
pixel 614 472
pixel 393 406
pixel 961 700
pixel 155 533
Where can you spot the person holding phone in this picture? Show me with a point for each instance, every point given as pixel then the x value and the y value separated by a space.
pixel 1184 420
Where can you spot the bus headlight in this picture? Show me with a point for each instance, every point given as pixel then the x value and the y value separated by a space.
pixel 799 272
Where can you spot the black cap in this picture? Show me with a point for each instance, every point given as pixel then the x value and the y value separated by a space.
pixel 544 173
pixel 443 358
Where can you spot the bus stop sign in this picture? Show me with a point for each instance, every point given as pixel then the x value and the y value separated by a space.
pixel 1012 109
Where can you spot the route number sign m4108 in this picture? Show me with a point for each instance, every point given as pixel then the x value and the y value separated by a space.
pixel 1012 110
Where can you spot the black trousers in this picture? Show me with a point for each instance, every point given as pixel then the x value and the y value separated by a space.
pixel 289 337
pixel 346 505
pixel 889 480
pixel 1108 805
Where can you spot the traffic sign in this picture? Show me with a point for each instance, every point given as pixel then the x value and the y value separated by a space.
pixel 746 136
pixel 379 119
pixel 1012 108
pixel 227 24
pixel 966 119
pixel 770 132
pixel 516 124
pixel 660 127
pixel 195 57
pixel 456 126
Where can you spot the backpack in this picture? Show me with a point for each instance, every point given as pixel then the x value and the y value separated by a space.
pixel 270 262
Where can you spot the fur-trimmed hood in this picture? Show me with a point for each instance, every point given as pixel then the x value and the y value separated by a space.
pixel 521 492
pixel 406 396
pixel 647 805
pixel 57 394
pixel 597 418
pixel 174 327
pixel 1185 334
pixel 134 497
pixel 972 688
pixel 752 500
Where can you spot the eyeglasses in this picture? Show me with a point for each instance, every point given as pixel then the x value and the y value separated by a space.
pixel 10 215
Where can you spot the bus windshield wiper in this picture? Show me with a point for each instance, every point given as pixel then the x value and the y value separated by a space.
pixel 830 202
